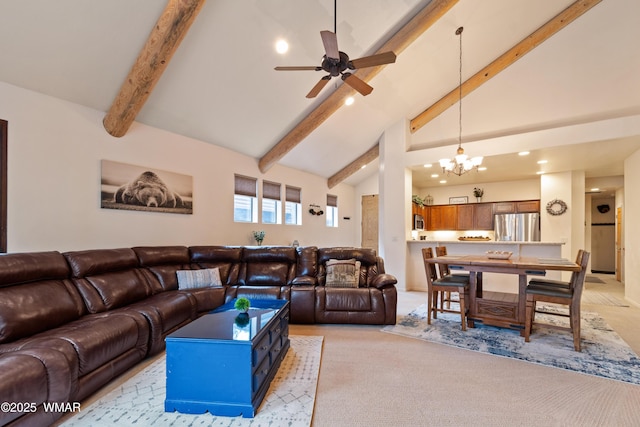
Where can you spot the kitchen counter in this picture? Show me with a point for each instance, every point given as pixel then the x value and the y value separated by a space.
pixel 484 242
pixel 417 281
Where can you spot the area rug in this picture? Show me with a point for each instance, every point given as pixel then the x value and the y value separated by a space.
pixel 603 354
pixel 140 400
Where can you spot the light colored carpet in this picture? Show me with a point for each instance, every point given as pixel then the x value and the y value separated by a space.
pixel 603 353
pixel 140 400
pixel 601 298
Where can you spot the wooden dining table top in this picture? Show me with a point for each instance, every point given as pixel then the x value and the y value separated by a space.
pixel 518 262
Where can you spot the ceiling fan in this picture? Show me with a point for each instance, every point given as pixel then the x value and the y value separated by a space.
pixel 337 63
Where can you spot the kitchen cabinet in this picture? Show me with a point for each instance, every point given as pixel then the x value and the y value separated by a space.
pixel 528 206
pixel 442 217
pixel 475 217
pixel 483 216
pixel 525 206
pixel 470 216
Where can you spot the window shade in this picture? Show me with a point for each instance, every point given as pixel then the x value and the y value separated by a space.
pixel 270 190
pixel 245 185
pixel 292 194
pixel 332 200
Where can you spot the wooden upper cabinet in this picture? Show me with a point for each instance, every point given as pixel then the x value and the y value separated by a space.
pixel 504 207
pixel 524 206
pixel 528 206
pixel 442 217
pixel 483 216
pixel 466 217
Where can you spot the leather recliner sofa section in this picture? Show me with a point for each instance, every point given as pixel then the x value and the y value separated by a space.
pixel 72 322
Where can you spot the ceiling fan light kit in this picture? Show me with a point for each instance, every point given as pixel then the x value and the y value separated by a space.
pixel 337 63
pixel 461 163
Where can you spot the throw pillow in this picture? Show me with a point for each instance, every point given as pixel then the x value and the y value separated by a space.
pixel 342 273
pixel 191 279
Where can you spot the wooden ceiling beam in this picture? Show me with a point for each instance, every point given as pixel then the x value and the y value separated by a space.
pixel 397 43
pixel 354 166
pixel 543 33
pixel 172 26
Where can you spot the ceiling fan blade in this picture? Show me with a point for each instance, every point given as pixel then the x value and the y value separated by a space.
pixel 357 83
pixel 318 87
pixel 301 68
pixel 373 60
pixel 330 42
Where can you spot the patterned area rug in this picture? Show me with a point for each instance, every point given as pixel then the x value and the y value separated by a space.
pixel 140 401
pixel 603 354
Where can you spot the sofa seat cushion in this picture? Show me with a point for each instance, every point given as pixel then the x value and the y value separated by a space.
pixel 169 308
pixel 344 299
pixel 95 340
pixel 206 299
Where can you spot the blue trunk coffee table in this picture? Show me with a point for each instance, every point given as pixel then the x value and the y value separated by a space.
pixel 224 361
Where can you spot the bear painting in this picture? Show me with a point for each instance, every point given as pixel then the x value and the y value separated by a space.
pixel 150 191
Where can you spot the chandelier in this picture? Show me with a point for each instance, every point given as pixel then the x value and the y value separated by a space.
pixel 461 163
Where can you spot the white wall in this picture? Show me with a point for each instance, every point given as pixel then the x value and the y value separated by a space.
pixel 632 228
pixel 493 192
pixel 55 148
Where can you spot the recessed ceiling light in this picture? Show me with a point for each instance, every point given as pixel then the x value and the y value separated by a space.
pixel 443 181
pixel 483 168
pixel 540 173
pixel 428 165
pixel 350 100
pixel 523 153
pixel 435 175
pixel 363 166
pixel 542 162
pixel 282 46
pixel 595 189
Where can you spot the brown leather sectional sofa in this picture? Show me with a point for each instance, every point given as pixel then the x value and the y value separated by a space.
pixel 71 322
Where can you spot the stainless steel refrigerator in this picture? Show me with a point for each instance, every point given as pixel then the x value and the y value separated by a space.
pixel 519 227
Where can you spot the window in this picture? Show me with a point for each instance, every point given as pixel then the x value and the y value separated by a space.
pixel 271 203
pixel 292 207
pixel 245 200
pixel 332 210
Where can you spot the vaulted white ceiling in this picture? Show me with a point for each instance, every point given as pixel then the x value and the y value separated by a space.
pixel 220 86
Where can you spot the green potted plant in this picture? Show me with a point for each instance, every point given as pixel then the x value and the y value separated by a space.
pixel 478 192
pixel 259 236
pixel 242 305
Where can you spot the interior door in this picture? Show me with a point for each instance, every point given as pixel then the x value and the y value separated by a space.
pixel 370 222
pixel 619 248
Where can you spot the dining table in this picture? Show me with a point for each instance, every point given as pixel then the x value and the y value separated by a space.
pixel 502 309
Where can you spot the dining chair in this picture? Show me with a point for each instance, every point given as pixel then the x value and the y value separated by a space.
pixel 436 286
pixel 559 294
pixel 559 283
pixel 445 271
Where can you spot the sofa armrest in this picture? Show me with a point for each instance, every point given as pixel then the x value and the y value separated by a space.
pixel 384 280
pixel 304 280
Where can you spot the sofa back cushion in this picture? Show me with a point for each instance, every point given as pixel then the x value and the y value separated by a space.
pixel 227 259
pixel 307 261
pixel 367 258
pixel 36 294
pixel 108 278
pixel 161 264
pixel 268 266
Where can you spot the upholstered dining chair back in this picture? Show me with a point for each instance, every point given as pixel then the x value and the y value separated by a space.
pixel 558 294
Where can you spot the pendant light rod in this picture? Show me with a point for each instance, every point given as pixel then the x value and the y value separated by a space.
pixel 461 163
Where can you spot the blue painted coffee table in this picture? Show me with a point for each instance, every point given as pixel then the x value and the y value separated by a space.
pixel 224 361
